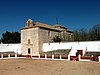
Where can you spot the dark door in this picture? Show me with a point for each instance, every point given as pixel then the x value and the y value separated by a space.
pixel 29 51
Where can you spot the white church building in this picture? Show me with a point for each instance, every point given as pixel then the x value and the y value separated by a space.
pixel 37 38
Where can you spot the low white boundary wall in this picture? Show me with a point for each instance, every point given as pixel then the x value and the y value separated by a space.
pixel 8 56
pixel 16 48
pixel 89 46
pixel 46 58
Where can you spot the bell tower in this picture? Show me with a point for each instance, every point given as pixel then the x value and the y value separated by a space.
pixel 29 23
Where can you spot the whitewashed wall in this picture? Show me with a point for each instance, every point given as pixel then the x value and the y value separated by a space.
pixel 90 46
pixel 10 48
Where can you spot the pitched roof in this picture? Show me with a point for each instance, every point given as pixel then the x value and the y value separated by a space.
pixel 58 25
pixel 41 25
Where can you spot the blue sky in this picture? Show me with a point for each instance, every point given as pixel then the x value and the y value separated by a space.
pixel 74 14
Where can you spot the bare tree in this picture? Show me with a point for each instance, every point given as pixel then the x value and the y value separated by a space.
pixel 80 35
pixel 94 33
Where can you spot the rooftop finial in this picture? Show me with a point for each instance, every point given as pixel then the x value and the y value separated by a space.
pixel 57 20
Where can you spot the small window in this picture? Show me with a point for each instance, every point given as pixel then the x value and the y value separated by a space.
pixel 49 33
pixel 29 51
pixel 28 41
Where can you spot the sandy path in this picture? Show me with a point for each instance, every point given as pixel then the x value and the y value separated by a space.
pixel 47 67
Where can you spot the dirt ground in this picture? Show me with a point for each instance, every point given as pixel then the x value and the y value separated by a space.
pixel 47 67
